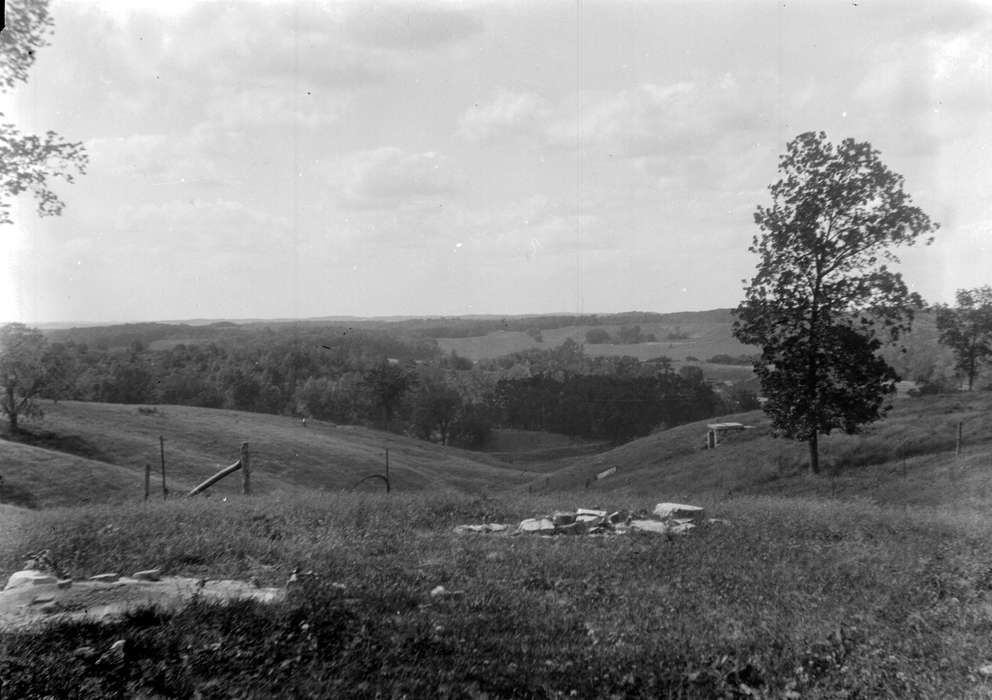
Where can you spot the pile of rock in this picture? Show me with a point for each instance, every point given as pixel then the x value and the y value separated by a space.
pixel 666 518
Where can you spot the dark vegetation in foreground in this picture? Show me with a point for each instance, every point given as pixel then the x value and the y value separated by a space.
pixel 796 598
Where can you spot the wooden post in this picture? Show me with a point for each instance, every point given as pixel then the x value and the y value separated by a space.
pixel 245 469
pixel 215 478
pixel 148 479
pixel 387 470
pixel 161 451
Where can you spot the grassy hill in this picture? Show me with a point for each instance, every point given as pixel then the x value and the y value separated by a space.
pixel 92 452
pixel 874 583
pixel 907 458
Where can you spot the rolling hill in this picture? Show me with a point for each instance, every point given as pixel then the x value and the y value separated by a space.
pixel 907 458
pixel 93 452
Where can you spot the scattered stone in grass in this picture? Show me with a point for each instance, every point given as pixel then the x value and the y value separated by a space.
pixel 649 526
pixel 575 528
pixel 84 652
pixel 618 517
pixel 591 511
pixel 115 654
pixel 985 670
pixel 537 526
pixel 442 592
pixel 717 521
pixel 480 529
pixel 28 577
pixel 665 511
pixel 23 604
pixel 681 528
pixel 147 575
pixel 106 578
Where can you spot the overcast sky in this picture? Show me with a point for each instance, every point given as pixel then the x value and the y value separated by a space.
pixel 291 159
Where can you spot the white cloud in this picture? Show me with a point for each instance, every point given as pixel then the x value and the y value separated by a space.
pixel 385 178
pixel 408 26
pixel 506 113
pixel 199 156
pixel 273 105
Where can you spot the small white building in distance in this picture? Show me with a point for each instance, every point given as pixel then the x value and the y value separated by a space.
pixel 714 430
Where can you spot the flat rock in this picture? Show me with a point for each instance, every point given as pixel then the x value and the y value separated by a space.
pixel 560 518
pixel 649 526
pixel 537 526
pixel 25 605
pixel 591 511
pixel 576 528
pixel 147 575
pixel 480 529
pixel 681 511
pixel 617 517
pixel 29 577
pixel 105 578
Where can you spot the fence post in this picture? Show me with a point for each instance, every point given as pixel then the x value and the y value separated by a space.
pixel 245 469
pixel 387 470
pixel 161 451
pixel 148 479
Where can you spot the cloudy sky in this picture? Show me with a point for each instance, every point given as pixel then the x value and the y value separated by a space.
pixel 292 159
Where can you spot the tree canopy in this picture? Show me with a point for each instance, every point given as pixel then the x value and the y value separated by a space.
pixel 823 299
pixel 28 162
pixel 967 330
pixel 23 371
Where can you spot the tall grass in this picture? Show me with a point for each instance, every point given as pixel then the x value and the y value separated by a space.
pixel 796 598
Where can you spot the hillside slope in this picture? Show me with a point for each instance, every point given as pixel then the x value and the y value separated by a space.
pixel 909 457
pixel 113 442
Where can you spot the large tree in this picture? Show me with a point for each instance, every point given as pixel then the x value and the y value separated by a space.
pixel 823 299
pixel 23 371
pixel 28 163
pixel 967 330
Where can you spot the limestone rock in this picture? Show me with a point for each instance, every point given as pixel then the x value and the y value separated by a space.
pixel 665 511
pixel 148 575
pixel 649 526
pixel 575 528
pixel 591 511
pixel 560 518
pixel 105 578
pixel 537 526
pixel 29 577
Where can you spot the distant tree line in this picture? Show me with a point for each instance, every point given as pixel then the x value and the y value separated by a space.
pixel 366 377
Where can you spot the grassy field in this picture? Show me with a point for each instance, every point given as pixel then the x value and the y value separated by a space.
pixel 908 458
pixel 707 336
pixel 104 448
pixel 873 580
pixel 796 598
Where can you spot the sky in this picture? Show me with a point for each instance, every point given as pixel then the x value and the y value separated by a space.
pixel 291 159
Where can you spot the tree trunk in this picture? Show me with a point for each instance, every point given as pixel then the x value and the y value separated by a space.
pixel 12 411
pixel 814 454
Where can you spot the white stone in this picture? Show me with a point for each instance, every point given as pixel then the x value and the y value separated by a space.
pixel 591 511
pixel 28 577
pixel 649 526
pixel 148 575
pixel 105 578
pixel 538 526
pixel 665 511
